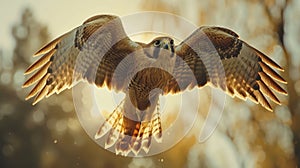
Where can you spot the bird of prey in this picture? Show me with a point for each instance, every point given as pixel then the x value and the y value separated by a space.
pixel 100 52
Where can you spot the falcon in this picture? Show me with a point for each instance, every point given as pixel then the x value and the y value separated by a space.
pixel 100 52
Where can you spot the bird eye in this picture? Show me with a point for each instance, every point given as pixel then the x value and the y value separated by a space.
pixel 156 43
pixel 172 42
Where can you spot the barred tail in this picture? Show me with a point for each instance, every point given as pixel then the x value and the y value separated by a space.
pixel 129 135
pixel 113 121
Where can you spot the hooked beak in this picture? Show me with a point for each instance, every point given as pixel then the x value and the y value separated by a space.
pixel 166 46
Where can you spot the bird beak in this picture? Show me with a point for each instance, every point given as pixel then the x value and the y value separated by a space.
pixel 166 46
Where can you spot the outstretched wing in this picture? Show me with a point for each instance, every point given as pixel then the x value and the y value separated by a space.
pixel 217 56
pixel 91 51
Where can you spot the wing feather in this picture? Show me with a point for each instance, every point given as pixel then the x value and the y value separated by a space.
pixel 268 92
pixel 37 76
pixel 41 94
pixel 89 52
pixel 38 87
pixel 262 100
pixel 271 83
pixel 215 55
pixel 268 61
pixel 50 46
pixel 271 72
pixel 40 62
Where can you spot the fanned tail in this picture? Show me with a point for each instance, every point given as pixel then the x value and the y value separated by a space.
pixel 153 128
pixel 129 135
pixel 111 122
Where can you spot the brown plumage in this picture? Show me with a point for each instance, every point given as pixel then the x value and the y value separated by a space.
pixel 100 52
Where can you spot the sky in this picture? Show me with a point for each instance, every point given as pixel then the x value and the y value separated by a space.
pixel 66 14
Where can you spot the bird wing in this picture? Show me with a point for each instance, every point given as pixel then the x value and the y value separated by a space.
pixel 92 52
pixel 216 56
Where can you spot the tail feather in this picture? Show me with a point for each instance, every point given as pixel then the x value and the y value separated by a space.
pixel 113 118
pixel 146 140
pixel 114 133
pixel 122 146
pixel 129 135
pixel 153 128
pixel 157 130
pixel 137 144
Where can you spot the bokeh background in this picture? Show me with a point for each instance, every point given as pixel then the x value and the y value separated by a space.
pixel 50 135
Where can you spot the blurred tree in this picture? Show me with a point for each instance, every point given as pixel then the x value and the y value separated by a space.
pixel 29 35
pixel 17 141
pixel 277 14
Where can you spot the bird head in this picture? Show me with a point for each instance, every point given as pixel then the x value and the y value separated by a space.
pixel 163 43
pixel 161 46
